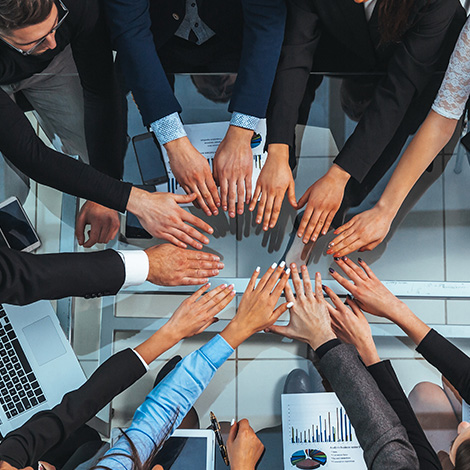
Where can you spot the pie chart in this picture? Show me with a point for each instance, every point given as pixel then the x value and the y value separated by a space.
pixel 308 459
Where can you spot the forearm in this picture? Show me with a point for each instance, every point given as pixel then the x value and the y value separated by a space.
pixel 160 342
pixel 402 316
pixel 433 135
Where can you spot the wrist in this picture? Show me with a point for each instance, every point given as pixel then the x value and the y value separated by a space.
pixel 235 333
pixel 338 174
pixel 278 152
pixel 387 209
pixel 172 332
pixel 177 145
pixel 239 133
pixel 136 200
pixel 321 338
pixel 369 355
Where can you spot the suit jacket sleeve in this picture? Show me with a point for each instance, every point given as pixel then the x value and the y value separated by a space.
pixel 263 31
pixel 47 429
pixel 451 362
pixel 22 147
pixel 302 34
pixel 388 383
pixel 26 278
pixel 129 24
pixel 378 429
pixel 408 72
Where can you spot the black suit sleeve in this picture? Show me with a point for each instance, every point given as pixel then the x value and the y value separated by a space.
pixel 26 278
pixel 302 34
pixel 388 383
pixel 408 72
pixel 451 362
pixel 47 429
pixel 22 147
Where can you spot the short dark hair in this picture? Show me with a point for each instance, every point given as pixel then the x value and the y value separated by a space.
pixel 462 456
pixel 15 14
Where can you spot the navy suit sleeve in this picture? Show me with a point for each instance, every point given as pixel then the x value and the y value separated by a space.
pixel 129 23
pixel 46 429
pixel 26 278
pixel 263 32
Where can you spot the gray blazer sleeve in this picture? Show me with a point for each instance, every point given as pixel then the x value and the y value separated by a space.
pixel 378 429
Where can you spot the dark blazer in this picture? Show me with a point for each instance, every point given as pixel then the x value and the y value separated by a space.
pixel 26 278
pixel 48 429
pixel 139 27
pixel 334 36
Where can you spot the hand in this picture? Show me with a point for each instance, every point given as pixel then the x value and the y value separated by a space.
pixel 351 326
pixel 233 169
pixel 193 173
pixel 174 266
pixel 273 182
pixel 323 199
pixel 196 313
pixel 309 319
pixel 243 446
pixel 104 224
pixel 363 232
pixel 162 217
pixel 368 292
pixel 256 310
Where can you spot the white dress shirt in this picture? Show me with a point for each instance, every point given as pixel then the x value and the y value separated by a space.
pixel 369 8
pixel 136 266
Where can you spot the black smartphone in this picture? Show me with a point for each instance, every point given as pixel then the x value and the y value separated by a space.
pixel 16 230
pixel 133 227
pixel 149 159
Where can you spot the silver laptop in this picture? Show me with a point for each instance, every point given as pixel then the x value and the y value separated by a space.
pixel 37 364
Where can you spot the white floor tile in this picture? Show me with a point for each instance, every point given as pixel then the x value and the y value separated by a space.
pixel 86 330
pixel 458 312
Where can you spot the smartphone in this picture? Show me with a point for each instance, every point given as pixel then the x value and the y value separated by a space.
pixel 133 227
pixel 149 159
pixel 16 230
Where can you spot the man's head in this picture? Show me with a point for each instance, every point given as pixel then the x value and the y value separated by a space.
pixel 29 25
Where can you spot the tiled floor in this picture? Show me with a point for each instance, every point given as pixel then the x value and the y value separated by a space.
pixel 429 244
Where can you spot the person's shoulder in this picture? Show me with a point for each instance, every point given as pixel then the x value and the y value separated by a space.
pixel 82 11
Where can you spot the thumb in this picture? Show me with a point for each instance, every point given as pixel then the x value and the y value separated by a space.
pixel 291 195
pixel 233 432
pixel 80 229
pixel 303 200
pixel 278 330
pixel 184 198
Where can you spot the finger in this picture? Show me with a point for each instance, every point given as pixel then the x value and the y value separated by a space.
pixel 370 246
pixel 200 199
pixel 202 256
pixel 251 284
pixel 248 187
pixel 274 277
pixel 229 295
pixel 207 325
pixel 212 187
pixel 114 231
pixel 353 246
pixel 192 281
pixel 93 236
pixel 347 243
pixel 261 207
pixel 291 195
pixel 193 297
pixel 196 221
pixel 298 286
pixel 303 200
pixel 280 286
pixel 262 282
pixel 202 266
pixel 207 195
pixel 172 239
pixel 184 198
pixel 328 221
pixel 305 221
pixel 267 211
pixel 348 285
pixel 224 193
pixel 318 287
pixel 366 268
pixel 232 198
pixel 278 330
pixel 351 270
pixel 240 196
pixel 254 199
pixel 344 227
pixel 80 228
pixel 306 281
pixel 183 233
pixel 232 435
pixel 289 293
pixel 337 302
pixel 314 226
pixel 276 211
pixel 215 294
pixel 278 312
pixel 355 308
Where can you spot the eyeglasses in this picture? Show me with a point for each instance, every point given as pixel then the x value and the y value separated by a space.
pixel 61 15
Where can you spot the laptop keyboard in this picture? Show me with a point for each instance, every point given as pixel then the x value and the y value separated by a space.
pixel 19 389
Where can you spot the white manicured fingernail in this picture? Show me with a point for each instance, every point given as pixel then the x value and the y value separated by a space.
pixel 290 304
pixel 288 271
pixel 283 263
pixel 234 291
pixel 258 269
pixel 273 266
pixel 233 422
pixel 223 286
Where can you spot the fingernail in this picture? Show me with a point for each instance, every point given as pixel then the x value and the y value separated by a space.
pixel 288 271
pixel 233 422
pixel 336 258
pixel 234 291
pixel 360 260
pixel 208 284
pixel 348 296
pixel 283 263
pixel 290 305
pixel 232 286
pixel 323 287
pixel 221 266
pixel 258 269
pixel 313 239
pixel 331 270
pixel 273 266
pixel 331 244
pixel 223 286
pixel 344 258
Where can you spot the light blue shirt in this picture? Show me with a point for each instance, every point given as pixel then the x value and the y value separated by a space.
pixel 169 402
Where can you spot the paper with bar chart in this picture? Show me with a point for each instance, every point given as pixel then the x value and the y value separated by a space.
pixel 317 433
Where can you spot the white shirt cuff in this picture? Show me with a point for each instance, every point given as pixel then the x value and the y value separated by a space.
pixel 136 265
pixel 141 360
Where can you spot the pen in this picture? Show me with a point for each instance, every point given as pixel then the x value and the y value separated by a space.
pixel 218 435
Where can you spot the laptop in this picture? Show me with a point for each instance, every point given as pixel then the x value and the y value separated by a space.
pixel 37 364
